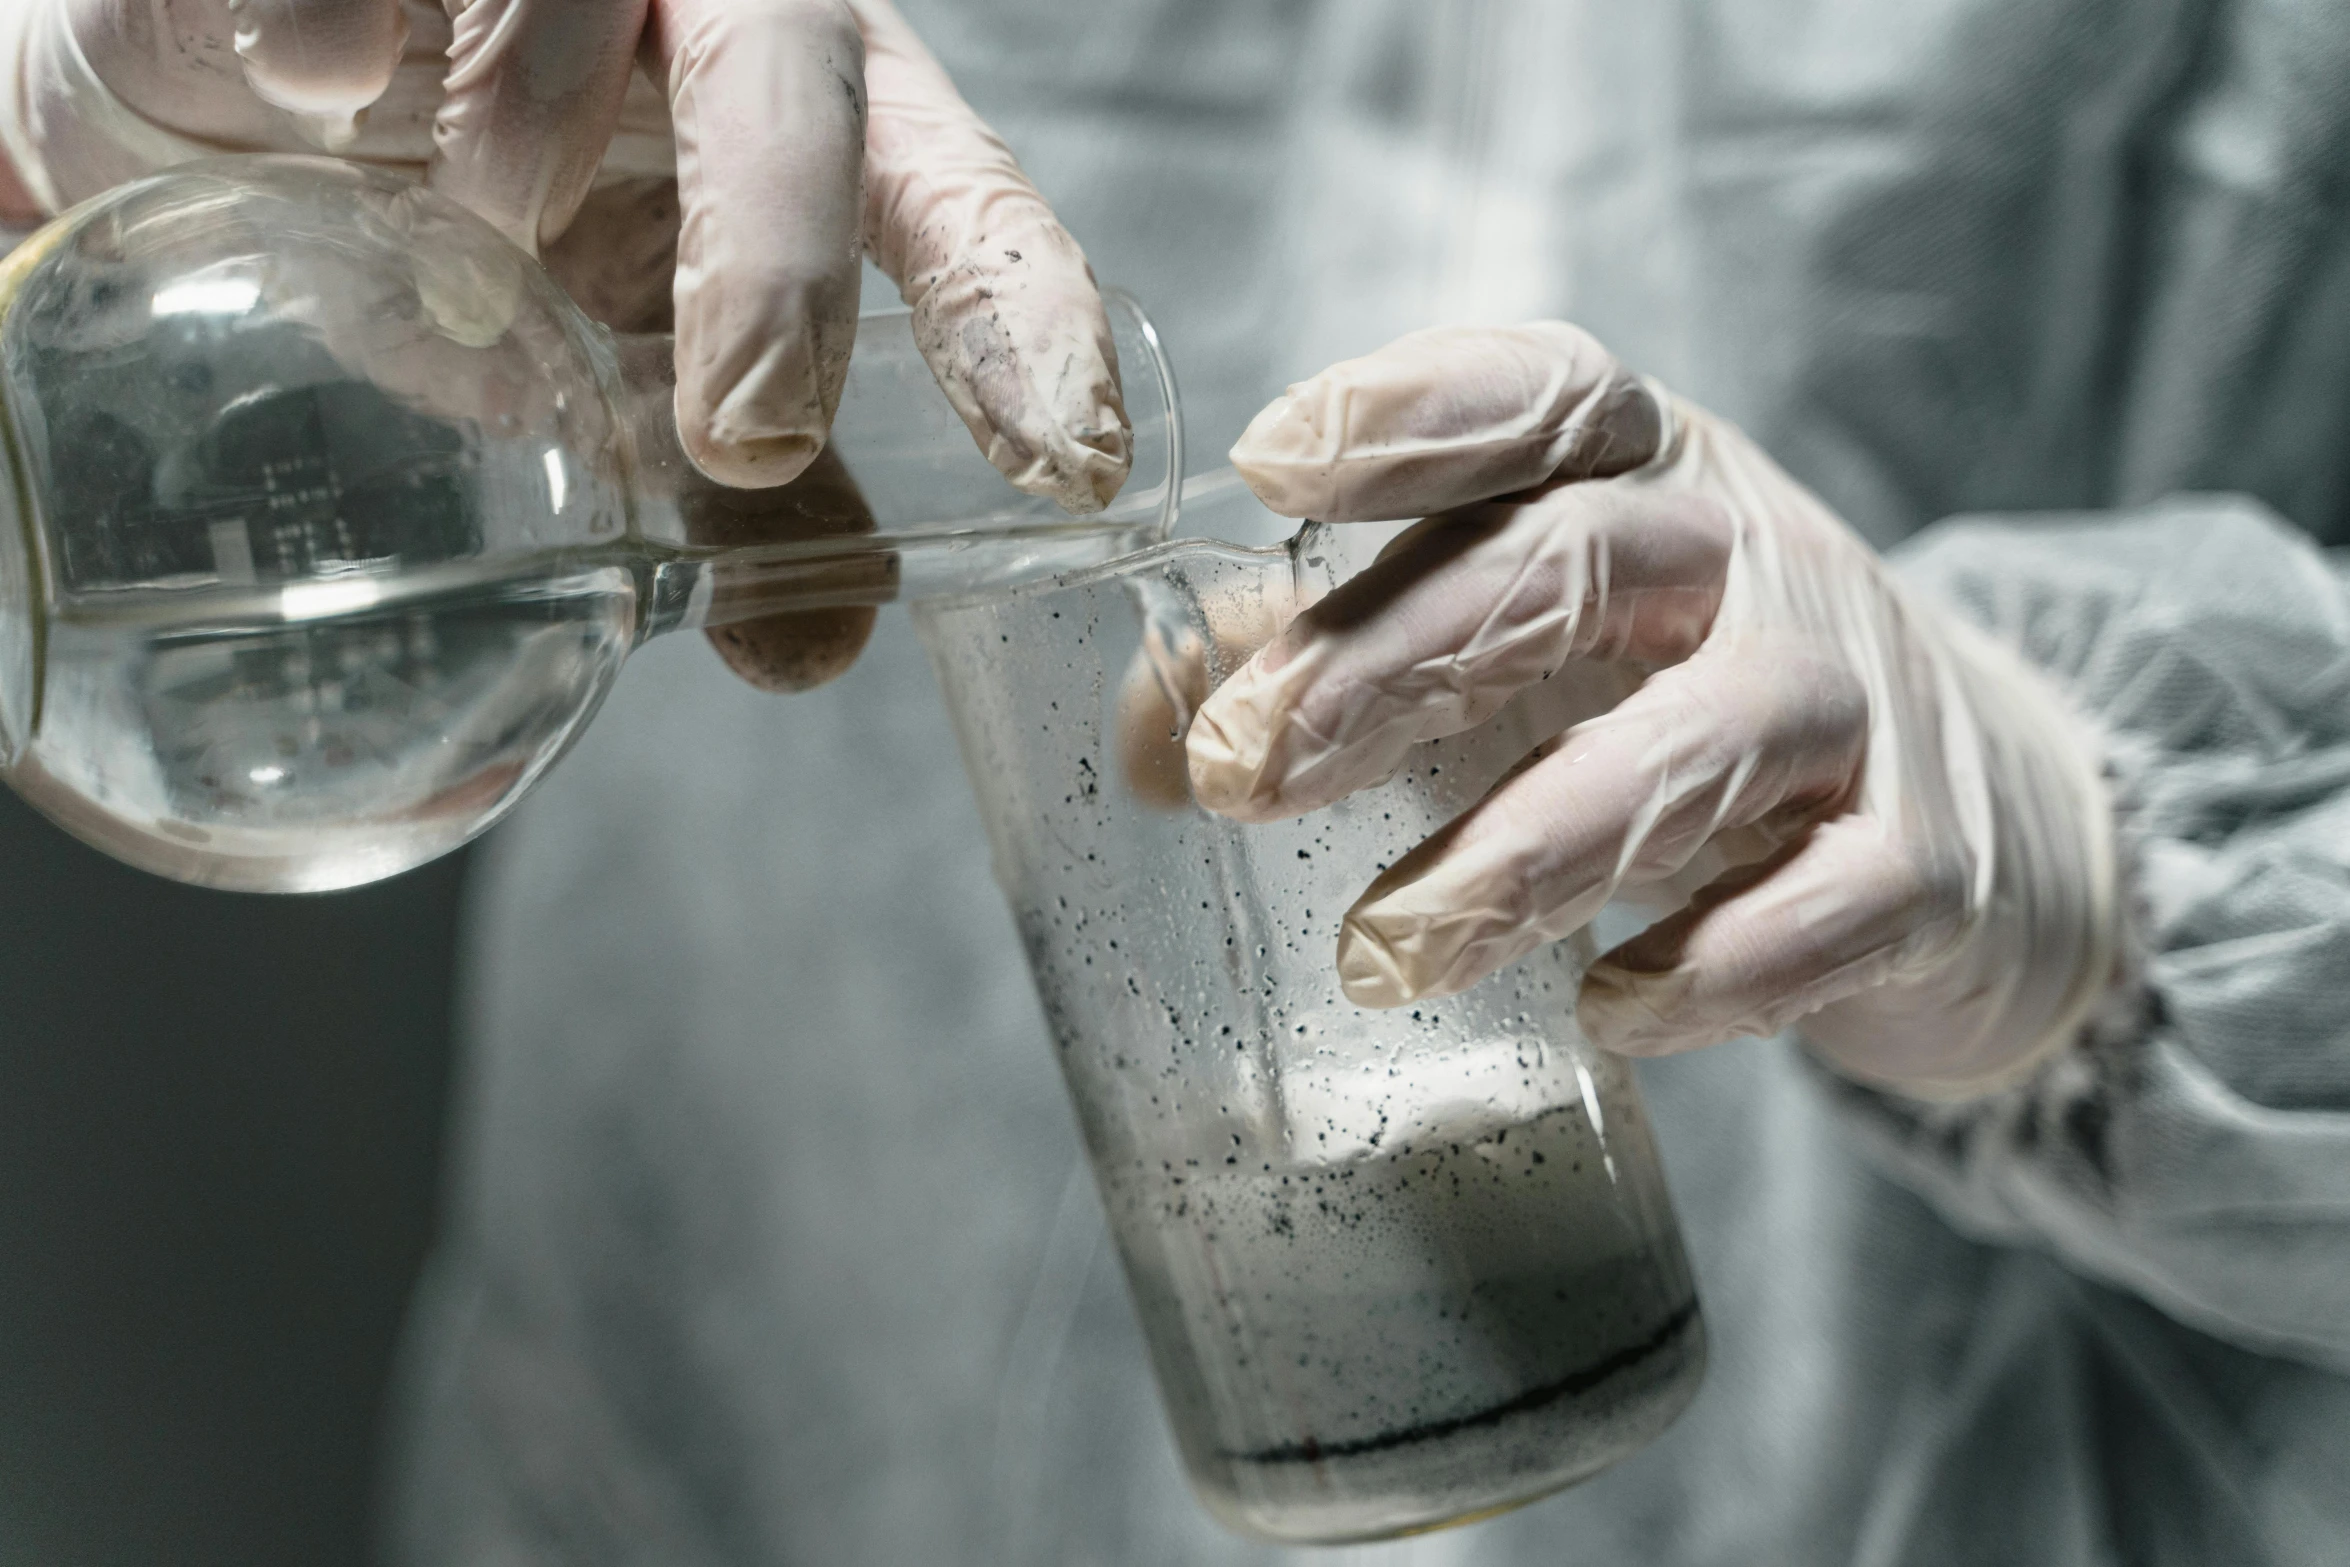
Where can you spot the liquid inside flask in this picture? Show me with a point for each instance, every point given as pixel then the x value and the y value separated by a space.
pixel 329 519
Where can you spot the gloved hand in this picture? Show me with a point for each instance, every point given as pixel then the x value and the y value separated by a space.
pixel 801 133
pixel 1909 846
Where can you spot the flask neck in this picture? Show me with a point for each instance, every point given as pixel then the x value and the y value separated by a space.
pixel 900 504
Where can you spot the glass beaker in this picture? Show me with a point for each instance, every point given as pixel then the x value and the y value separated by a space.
pixel 328 518
pixel 1396 1269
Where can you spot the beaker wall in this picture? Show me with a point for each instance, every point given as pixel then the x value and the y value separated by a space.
pixel 1396 1269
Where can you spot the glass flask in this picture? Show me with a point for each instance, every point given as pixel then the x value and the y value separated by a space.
pixel 1397 1269
pixel 329 518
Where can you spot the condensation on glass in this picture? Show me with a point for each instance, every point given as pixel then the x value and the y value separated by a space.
pixel 1396 1269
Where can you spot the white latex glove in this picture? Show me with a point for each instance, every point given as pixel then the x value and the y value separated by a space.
pixel 517 107
pixel 1910 845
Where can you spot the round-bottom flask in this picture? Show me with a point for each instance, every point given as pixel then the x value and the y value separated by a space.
pixel 328 518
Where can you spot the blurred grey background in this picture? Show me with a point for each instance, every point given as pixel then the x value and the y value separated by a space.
pixel 219 1140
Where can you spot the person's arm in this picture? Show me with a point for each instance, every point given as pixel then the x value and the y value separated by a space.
pixel 2194 1143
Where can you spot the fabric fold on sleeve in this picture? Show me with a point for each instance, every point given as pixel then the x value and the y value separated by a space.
pixel 2194 1146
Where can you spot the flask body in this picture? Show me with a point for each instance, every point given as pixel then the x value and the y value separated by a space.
pixel 321 545
pixel 329 519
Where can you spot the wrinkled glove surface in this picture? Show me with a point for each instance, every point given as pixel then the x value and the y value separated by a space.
pixel 1896 832
pixel 801 135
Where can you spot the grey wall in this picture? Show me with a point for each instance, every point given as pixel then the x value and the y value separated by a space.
pixel 219 1123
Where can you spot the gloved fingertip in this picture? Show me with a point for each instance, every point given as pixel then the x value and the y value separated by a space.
pixel 761 360
pixel 1027 359
pixel 1222 780
pixel 1226 751
pixel 1092 449
pixel 754 462
pixel 798 651
pixel 1083 488
pixel 1103 453
pixel 1420 931
pixel 323 68
pixel 1368 970
pixel 1079 467
pixel 1284 459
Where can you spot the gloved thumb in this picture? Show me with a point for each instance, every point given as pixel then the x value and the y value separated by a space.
pixel 1445 417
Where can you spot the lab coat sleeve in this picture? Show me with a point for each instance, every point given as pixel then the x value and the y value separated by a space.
pixel 2194 1144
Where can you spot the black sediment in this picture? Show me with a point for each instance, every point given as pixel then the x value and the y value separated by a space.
pixel 1582 1380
